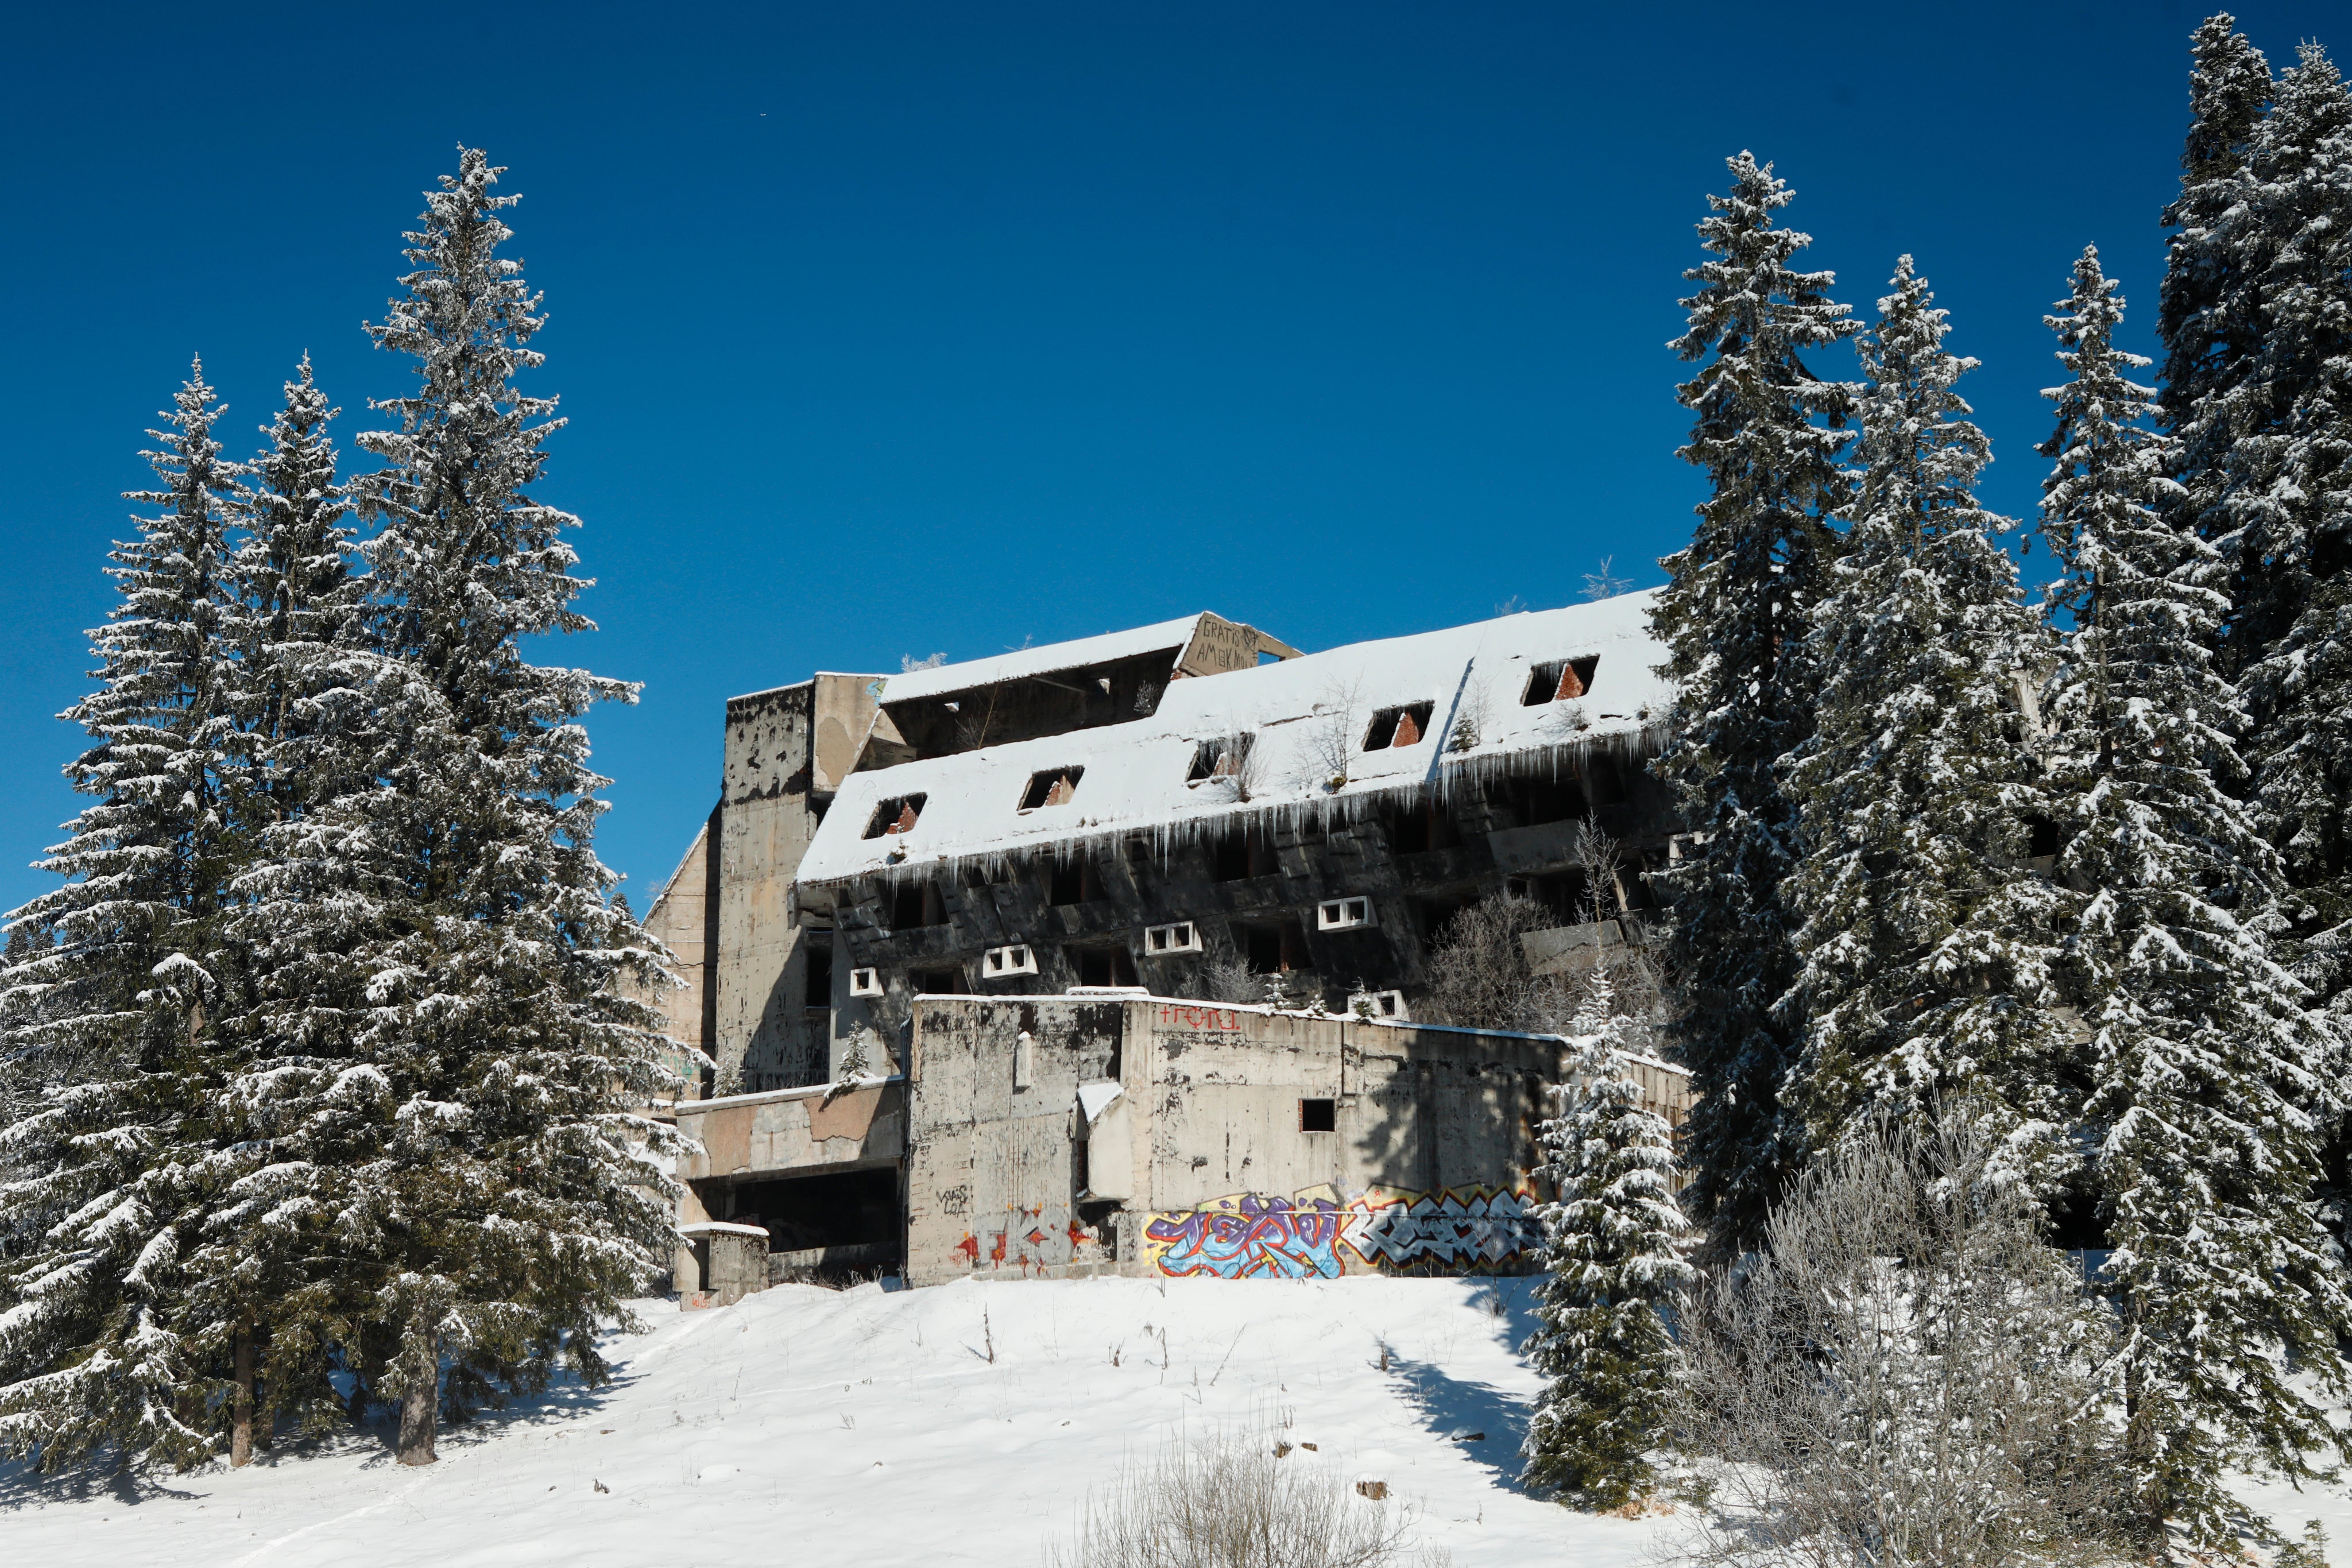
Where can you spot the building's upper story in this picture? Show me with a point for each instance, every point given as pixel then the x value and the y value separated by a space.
pixel 1328 734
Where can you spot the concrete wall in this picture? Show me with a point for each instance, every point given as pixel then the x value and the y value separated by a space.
pixel 794 1130
pixel 785 752
pixel 1202 1164
pixel 680 918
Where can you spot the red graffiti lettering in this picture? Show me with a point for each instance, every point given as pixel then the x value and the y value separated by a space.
pixel 970 1248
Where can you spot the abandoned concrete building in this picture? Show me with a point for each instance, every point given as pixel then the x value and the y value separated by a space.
pixel 1051 961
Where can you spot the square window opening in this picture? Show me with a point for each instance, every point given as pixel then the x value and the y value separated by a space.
pixel 1161 941
pixel 896 815
pixel 1343 914
pixel 1399 727
pixel 941 983
pixel 1004 963
pixel 864 982
pixel 1053 787
pixel 1318 1115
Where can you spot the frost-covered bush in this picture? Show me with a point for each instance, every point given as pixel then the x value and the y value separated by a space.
pixel 1907 1373
pixel 1241 1498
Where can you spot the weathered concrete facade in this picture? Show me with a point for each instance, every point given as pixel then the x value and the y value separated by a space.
pixel 785 754
pixel 1137 1135
pixel 936 900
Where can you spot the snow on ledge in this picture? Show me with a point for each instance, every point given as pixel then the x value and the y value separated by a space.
pixel 942 680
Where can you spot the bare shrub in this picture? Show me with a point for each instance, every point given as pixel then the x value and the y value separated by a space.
pixel 1332 733
pixel 1478 973
pixel 1222 976
pixel 1909 1375
pixel 1240 1499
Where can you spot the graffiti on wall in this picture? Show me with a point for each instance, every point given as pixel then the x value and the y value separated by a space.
pixel 1246 1236
pixel 1445 1231
pixel 1250 1237
pixel 1031 1240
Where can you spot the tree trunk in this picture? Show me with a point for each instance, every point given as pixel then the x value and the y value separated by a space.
pixel 240 1431
pixel 420 1403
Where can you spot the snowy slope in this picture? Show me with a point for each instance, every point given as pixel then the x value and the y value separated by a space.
pixel 806 1426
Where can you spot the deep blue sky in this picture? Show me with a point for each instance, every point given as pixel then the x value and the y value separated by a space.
pixel 888 329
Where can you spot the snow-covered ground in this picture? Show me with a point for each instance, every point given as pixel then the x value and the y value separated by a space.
pixel 806 1425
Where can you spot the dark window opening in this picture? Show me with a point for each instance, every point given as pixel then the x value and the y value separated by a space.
pixel 1536 802
pixel 1604 785
pixel 1393 726
pixel 914 904
pixel 848 1209
pixel 1271 947
pixel 1051 787
pixel 1072 882
pixel 1415 828
pixel 1434 915
pixel 817 809
pixel 1562 895
pixel 1318 1115
pixel 1561 680
pixel 2043 840
pixel 1220 758
pixel 818 991
pixel 1235 856
pixel 940 982
pixel 895 816
pixel 1103 965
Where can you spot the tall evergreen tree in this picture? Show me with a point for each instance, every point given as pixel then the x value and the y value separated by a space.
pixel 2286 512
pixel 508 1197
pixel 269 1299
pixel 2263 448
pixel 2209 1080
pixel 2201 317
pixel 1612 1263
pixel 1733 616
pixel 122 1157
pixel 1929 941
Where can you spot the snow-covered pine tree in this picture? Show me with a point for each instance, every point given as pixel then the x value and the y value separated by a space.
pixel 508 1199
pixel 268 1301
pixel 2285 513
pixel 1929 941
pixel 1732 615
pixel 118 1019
pixel 2209 1080
pixel 2202 308
pixel 1612 1262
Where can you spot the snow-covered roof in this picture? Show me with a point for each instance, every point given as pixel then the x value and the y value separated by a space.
pixel 943 679
pixel 1136 775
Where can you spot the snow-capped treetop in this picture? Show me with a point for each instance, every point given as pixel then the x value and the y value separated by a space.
pixel 1928 940
pixel 1733 614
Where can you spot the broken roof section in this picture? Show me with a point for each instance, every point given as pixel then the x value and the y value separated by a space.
pixel 1195 644
pixel 1326 732
pixel 1114 679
